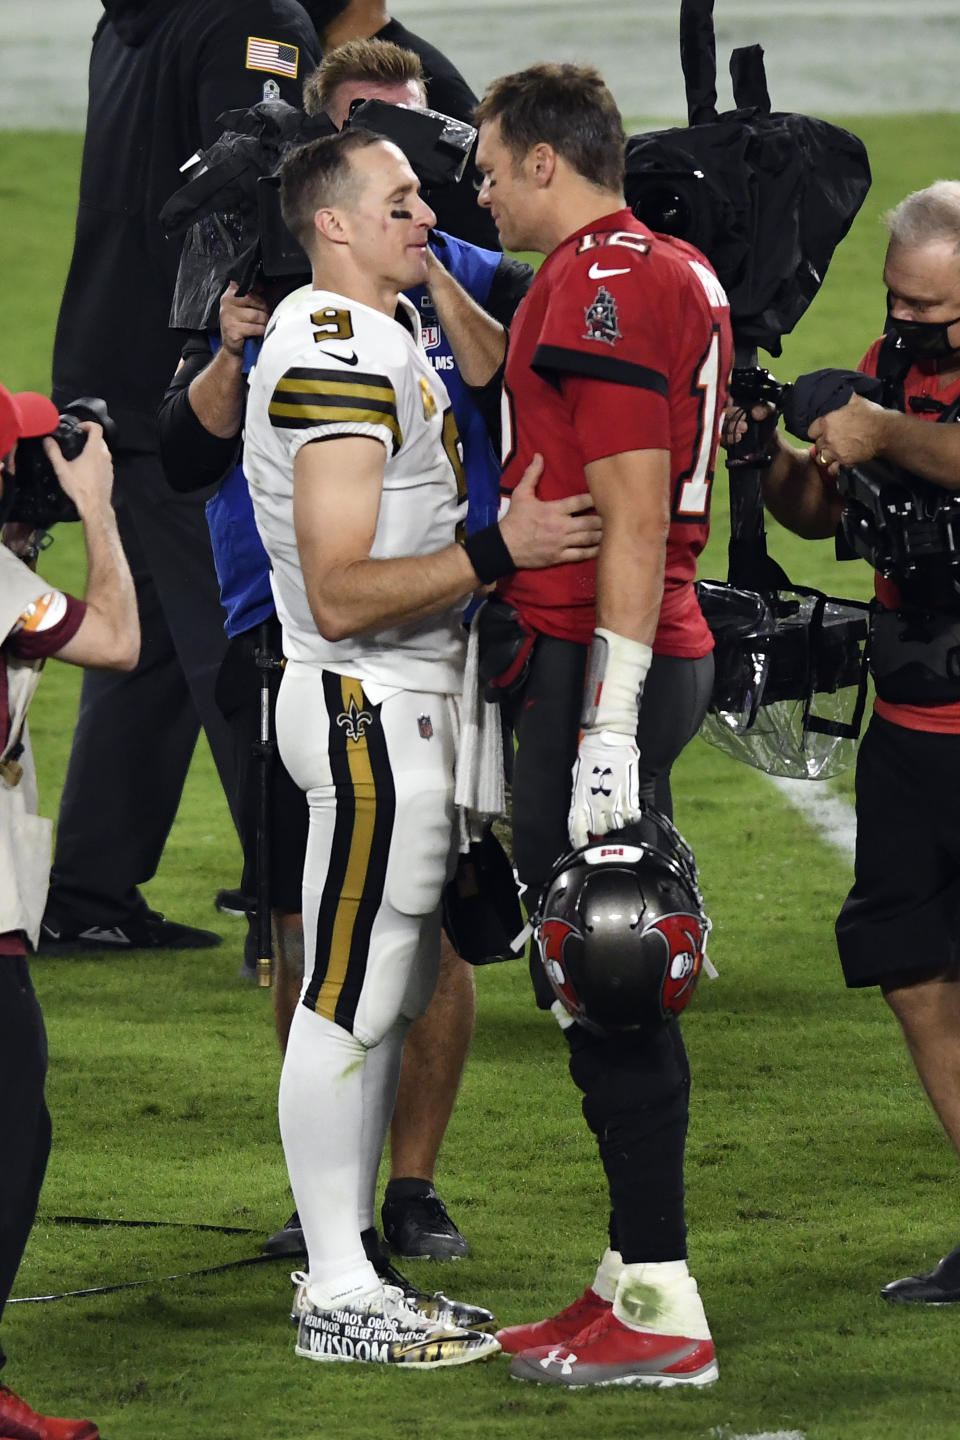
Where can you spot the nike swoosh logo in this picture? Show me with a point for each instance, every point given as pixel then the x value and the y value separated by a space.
pixel 350 359
pixel 596 273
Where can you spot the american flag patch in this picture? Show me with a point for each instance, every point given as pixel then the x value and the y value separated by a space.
pixel 271 55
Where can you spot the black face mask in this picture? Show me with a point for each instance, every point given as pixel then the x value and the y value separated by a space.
pixel 923 339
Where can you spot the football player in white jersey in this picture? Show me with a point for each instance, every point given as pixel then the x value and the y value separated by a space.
pixel 351 453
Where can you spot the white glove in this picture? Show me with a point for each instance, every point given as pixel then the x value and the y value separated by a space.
pixel 606 785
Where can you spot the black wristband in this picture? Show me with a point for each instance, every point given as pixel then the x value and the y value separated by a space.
pixel 488 554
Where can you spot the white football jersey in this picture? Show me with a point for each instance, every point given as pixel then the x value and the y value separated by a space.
pixel 330 366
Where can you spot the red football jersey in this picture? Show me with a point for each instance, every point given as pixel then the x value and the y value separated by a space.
pixel 623 342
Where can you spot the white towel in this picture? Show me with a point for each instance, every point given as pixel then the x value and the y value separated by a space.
pixel 480 789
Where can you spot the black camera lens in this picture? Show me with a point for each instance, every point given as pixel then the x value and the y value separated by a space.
pixel 664 208
pixel 35 497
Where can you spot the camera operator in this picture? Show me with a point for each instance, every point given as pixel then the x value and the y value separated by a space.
pixel 338 23
pixel 899 927
pixel 200 426
pixel 37 621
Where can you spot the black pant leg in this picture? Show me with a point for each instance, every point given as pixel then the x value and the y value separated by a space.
pixel 26 1120
pixel 136 731
pixel 175 539
pixel 545 717
pixel 635 1086
pixel 636 1093
pixel 239 698
pixel 675 699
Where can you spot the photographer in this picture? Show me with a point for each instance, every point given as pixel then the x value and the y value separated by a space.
pixel 35 622
pixel 899 927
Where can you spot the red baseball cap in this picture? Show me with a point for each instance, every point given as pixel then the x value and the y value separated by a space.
pixel 23 416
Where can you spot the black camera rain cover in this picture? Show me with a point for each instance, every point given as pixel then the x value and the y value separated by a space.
pixel 230 215
pixel 790 678
pixel 217 209
pixel 776 192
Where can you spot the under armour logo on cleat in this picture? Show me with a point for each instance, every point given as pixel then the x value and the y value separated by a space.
pixel 557 1357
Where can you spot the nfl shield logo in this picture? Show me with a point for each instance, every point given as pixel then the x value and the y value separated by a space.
pixel 425 726
pixel 430 334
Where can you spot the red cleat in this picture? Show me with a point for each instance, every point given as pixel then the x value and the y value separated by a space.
pixel 558 1328
pixel 610 1353
pixel 19 1422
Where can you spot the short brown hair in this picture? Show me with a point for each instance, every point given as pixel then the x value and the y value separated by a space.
pixel 375 62
pixel 317 175
pixel 566 106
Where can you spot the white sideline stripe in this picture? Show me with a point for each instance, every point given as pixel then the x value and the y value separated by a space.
pixel 763 1434
pixel 835 821
pixel 772 1434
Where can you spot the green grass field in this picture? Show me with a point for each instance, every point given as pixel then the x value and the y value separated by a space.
pixel 816 1171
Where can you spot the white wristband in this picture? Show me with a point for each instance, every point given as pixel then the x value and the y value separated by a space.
pixel 615 676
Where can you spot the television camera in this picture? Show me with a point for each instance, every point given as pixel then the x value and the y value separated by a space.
pixel 767 196
pixel 229 207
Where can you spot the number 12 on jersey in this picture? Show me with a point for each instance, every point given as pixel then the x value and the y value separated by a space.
pixel 693 487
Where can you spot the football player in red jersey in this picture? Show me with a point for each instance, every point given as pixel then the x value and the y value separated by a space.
pixel 616 373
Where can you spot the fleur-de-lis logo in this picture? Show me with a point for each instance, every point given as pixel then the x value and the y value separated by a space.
pixel 354 721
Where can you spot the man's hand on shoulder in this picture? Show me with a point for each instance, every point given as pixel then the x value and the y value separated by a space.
pixel 242 318
pixel 539 533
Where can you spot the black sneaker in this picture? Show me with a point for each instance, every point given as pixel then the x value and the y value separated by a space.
pixel 147 930
pixel 941 1286
pixel 287 1241
pixel 434 1306
pixel 234 902
pixel 416 1224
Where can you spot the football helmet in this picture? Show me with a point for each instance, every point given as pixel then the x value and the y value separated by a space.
pixel 622 931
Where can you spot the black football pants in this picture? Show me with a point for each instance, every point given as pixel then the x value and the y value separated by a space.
pixel 26 1121
pixel 238 694
pixel 136 730
pixel 635 1086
